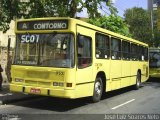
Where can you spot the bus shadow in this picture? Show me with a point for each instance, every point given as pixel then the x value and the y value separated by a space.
pixel 63 105
pixel 53 104
pixel 153 82
pixel 117 92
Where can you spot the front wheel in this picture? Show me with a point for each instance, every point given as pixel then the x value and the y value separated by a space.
pixel 138 81
pixel 98 89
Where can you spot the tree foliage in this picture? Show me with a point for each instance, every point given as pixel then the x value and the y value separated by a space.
pixel 112 23
pixel 139 22
pixel 156 38
pixel 11 9
pixel 5 14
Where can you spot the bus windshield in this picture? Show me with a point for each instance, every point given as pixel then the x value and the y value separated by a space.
pixel 154 59
pixel 50 49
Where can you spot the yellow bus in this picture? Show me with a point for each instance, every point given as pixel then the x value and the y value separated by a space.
pixel 154 62
pixel 69 58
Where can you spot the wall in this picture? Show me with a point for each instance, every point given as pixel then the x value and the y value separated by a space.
pixel 3 47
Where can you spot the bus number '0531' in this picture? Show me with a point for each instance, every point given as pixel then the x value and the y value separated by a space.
pixel 29 38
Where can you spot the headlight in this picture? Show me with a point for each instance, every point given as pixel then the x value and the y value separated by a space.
pixel 19 80
pixel 58 84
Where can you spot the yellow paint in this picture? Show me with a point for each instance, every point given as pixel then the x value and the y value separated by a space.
pixel 118 73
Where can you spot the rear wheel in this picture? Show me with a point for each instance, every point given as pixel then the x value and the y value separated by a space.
pixel 138 81
pixel 98 89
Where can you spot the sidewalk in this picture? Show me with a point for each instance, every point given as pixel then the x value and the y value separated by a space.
pixel 8 97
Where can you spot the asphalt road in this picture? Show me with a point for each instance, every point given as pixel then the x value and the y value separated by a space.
pixel 125 103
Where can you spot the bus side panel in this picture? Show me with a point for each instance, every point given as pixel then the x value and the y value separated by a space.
pixel 84 82
pixel 84 90
pixel 144 71
pixel 126 73
pixel 115 73
pixel 103 65
pixel 106 68
pixel 134 69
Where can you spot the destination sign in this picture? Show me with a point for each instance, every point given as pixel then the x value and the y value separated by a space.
pixel 43 25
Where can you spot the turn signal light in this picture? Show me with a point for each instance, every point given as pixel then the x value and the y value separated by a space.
pixel 69 84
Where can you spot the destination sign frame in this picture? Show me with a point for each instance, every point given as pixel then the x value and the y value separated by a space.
pixel 42 25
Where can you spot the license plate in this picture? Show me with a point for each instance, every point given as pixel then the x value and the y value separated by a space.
pixel 35 90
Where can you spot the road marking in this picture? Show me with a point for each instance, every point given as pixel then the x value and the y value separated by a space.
pixel 7 94
pixel 122 104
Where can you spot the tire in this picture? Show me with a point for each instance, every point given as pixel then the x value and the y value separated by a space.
pixel 138 81
pixel 98 90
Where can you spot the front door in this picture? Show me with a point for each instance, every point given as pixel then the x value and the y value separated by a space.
pixel 84 80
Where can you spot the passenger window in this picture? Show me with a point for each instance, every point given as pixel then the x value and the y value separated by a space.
pixel 125 50
pixel 145 53
pixel 115 48
pixel 102 46
pixel 141 53
pixel 134 52
pixel 84 49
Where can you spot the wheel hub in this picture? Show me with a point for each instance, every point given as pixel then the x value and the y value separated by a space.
pixel 98 88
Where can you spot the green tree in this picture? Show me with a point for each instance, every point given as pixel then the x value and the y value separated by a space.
pixel 156 39
pixel 112 23
pixel 47 8
pixel 139 23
